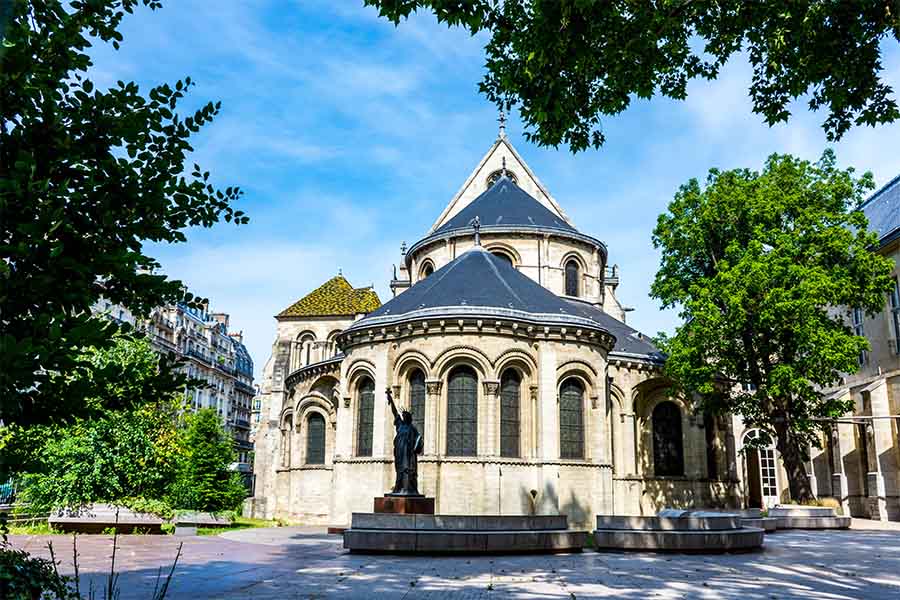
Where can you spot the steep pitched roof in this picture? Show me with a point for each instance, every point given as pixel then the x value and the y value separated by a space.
pixel 502 149
pixel 334 297
pixel 506 204
pixel 882 209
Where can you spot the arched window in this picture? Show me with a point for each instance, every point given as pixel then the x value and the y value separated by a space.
pixel 504 257
pixel 417 400
pixel 304 350
pixel 510 386
pixel 668 450
pixel 315 439
pixel 427 270
pixel 462 413
pixel 365 417
pixel 572 274
pixel 571 419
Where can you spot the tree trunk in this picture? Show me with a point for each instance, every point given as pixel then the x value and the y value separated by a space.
pixel 792 456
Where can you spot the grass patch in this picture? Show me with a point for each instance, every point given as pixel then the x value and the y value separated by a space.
pixel 35 528
pixel 239 523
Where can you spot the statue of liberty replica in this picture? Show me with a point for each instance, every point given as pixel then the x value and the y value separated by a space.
pixel 408 445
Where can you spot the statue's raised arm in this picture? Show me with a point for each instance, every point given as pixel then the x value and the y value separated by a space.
pixel 390 399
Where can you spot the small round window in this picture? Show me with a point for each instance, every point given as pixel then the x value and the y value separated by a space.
pixel 493 177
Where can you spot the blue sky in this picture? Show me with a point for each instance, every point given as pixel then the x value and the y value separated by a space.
pixel 349 136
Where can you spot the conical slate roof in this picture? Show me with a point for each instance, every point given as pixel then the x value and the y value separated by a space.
pixel 334 297
pixel 505 204
pixel 477 283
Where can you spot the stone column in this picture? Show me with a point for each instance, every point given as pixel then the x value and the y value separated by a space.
pixel 432 416
pixel 840 484
pixel 548 445
pixel 490 426
pixel 533 422
pixel 883 458
pixel 811 472
pixel 380 447
pixel 630 443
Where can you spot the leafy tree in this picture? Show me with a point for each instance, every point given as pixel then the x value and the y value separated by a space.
pixel 763 266
pixel 205 481
pixel 86 176
pixel 118 455
pixel 570 62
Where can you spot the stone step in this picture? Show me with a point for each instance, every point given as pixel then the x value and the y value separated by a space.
pixel 458 522
pixel 463 542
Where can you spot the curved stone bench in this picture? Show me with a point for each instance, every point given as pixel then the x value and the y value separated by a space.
pixel 792 516
pixel 677 531
pixel 752 517
pixel 460 534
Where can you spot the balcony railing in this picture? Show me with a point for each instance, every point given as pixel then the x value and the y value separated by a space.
pixel 242 423
pixel 240 385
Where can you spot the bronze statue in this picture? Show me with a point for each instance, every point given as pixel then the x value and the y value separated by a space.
pixel 407 446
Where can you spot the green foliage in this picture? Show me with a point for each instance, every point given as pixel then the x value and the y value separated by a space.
pixel 86 176
pixel 204 480
pixel 24 577
pixel 160 508
pixel 570 62
pixel 763 267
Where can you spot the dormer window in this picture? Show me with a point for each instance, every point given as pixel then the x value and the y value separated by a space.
pixel 493 177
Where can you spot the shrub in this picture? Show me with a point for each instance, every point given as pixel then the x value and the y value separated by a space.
pixel 205 481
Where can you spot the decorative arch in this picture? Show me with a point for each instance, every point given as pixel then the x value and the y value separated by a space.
pixel 304 345
pixel 507 250
pixel 581 371
pixel 458 355
pixel 426 268
pixel 357 368
pixel 314 400
pixel 331 349
pixel 495 175
pixel 409 360
pixel 314 449
pixel 515 357
pixel 511 381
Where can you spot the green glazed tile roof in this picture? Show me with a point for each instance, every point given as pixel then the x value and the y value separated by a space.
pixel 334 297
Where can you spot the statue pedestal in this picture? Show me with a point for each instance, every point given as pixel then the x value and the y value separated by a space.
pixel 404 505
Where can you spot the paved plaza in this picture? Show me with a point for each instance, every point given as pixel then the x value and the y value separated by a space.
pixel 297 562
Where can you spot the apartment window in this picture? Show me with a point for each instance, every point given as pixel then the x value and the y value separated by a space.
pixel 859 330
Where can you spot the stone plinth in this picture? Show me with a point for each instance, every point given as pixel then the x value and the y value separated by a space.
pixel 678 531
pixel 792 516
pixel 460 534
pixel 753 517
pixel 405 505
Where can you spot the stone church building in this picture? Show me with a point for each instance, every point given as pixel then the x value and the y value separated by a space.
pixel 507 342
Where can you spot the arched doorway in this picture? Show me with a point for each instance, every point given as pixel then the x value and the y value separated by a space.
pixel 760 469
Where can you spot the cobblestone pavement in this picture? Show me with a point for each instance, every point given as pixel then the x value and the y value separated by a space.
pixel 296 562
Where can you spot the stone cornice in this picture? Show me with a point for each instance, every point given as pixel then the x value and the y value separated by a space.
pixel 479 321
pixel 324 367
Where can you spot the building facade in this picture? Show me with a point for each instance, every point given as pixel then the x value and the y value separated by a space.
pixel 507 343
pixel 210 353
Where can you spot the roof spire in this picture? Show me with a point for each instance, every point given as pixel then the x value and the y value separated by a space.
pixel 502 120
pixel 476 225
pixel 340 272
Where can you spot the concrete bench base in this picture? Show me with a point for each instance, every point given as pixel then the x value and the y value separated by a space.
pixel 791 516
pixel 813 522
pixel 675 530
pixel 460 534
pixel 707 541
pixel 768 524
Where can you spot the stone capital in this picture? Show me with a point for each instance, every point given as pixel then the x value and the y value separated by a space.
pixel 491 387
pixel 433 386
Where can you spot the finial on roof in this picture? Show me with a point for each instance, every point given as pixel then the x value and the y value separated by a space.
pixel 403 248
pixel 503 168
pixel 502 120
pixel 476 225
pixel 340 272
